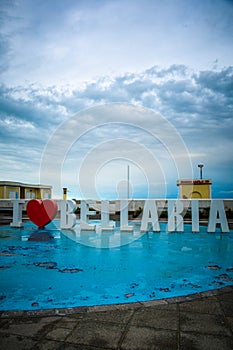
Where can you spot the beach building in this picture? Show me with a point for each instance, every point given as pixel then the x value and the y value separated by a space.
pixel 190 189
pixel 18 190
pixel 196 188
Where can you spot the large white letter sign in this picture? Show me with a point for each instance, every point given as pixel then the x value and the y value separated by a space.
pixel 150 215
pixel 175 219
pixel 124 216
pixel 195 215
pixel 17 213
pixel 105 217
pixel 217 216
pixel 68 218
pixel 84 218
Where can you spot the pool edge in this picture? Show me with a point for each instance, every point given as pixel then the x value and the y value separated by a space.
pixel 111 307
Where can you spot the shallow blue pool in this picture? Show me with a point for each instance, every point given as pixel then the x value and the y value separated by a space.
pixel 64 269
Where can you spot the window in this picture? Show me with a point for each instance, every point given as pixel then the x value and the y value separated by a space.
pixel 13 194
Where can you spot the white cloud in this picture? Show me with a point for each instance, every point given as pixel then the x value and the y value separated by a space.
pixel 197 103
pixel 57 42
pixel 13 124
pixel 59 58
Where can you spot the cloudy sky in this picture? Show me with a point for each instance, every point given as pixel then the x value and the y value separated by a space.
pixel 59 58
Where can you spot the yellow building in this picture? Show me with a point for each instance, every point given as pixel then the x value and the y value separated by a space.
pixel 18 190
pixel 195 188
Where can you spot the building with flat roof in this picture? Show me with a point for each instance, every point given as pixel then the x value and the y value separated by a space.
pixel 196 188
pixel 19 190
pixel 190 189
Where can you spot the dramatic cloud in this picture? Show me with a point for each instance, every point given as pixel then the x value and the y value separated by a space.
pixel 198 104
pixel 56 41
pixel 58 58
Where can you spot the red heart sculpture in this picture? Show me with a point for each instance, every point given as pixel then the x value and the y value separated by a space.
pixel 41 212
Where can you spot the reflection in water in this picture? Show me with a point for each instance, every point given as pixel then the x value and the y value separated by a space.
pixel 101 238
pixel 40 236
pixel 52 268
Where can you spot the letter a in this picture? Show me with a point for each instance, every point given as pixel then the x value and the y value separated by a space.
pixel 150 214
pixel 217 216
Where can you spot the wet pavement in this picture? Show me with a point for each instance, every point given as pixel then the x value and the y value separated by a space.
pixel 200 321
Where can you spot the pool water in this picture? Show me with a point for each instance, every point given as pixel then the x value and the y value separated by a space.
pixel 56 269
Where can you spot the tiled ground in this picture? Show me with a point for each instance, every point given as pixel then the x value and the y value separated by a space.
pixel 203 321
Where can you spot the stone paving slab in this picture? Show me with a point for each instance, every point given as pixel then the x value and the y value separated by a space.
pixel 145 338
pixel 14 342
pixel 192 341
pixel 45 344
pixel 28 327
pixel 230 321
pixel 102 335
pixel 156 318
pixel 200 322
pixel 205 306
pixel 204 324
pixel 227 307
pixel 114 316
